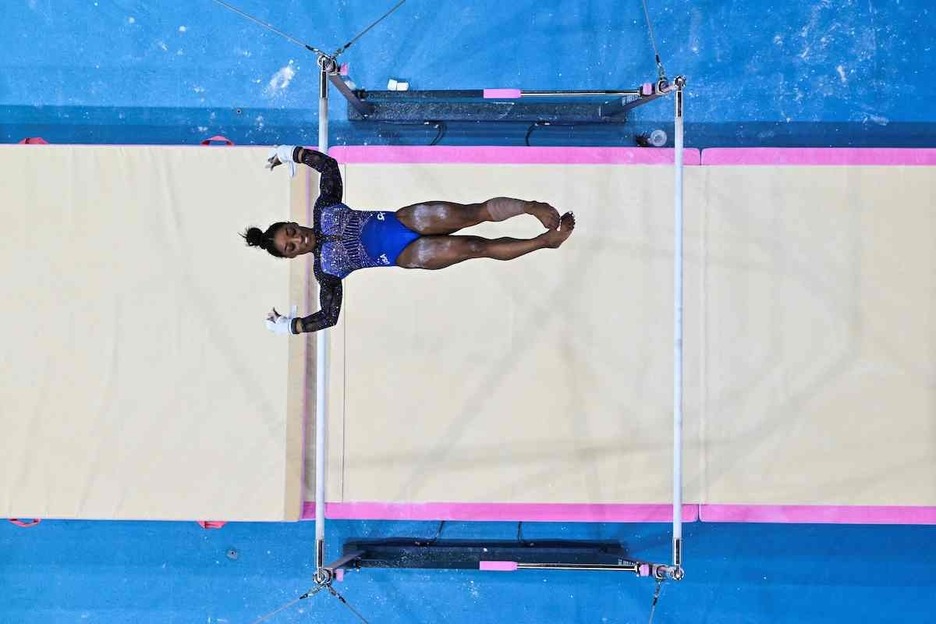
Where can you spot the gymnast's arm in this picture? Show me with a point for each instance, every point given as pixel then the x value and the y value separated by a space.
pixel 330 190
pixel 329 306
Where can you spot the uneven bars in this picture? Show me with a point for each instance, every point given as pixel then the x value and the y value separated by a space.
pixel 678 335
pixel 321 365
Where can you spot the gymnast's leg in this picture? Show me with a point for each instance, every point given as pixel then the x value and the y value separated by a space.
pixel 440 217
pixel 440 251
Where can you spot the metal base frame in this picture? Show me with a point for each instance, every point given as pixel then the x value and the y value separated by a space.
pixel 418 553
pixel 560 107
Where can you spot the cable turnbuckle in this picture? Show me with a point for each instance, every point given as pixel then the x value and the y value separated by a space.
pixel 328 64
pixel 323 577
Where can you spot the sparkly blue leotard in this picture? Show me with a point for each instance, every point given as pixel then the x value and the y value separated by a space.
pixel 345 239
pixel 357 239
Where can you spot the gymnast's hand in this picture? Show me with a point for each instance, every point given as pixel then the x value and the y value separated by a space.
pixel 279 324
pixel 282 155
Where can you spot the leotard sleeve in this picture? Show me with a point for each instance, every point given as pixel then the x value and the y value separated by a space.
pixel 329 302
pixel 330 188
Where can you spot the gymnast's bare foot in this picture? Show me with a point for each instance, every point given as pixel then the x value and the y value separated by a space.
pixel 547 215
pixel 554 238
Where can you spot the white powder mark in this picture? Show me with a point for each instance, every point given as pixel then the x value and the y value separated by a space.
pixel 810 26
pixel 281 79
pixel 198 89
pixel 183 29
pixel 203 128
pixel 881 121
pixel 778 40
pixel 162 46
pixel 259 121
pixel 131 20
pixel 841 73
pixel 694 28
pixel 179 52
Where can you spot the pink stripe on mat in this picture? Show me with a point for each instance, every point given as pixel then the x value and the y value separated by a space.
pixel 818 514
pixel 507 512
pixel 818 156
pixel 495 155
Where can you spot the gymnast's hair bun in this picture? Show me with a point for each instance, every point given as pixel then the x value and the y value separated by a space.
pixel 254 237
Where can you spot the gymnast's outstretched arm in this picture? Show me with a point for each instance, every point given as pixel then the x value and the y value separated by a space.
pixel 329 306
pixel 330 188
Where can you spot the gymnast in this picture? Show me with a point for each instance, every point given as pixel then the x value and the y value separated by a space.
pixel 420 236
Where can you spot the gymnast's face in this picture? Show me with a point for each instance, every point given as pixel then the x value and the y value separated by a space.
pixel 293 240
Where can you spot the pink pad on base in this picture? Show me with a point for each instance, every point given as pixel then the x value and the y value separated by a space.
pixel 819 514
pixel 646 89
pixel 498 566
pixel 819 156
pixel 501 94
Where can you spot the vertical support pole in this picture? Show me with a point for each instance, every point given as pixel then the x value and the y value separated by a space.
pixel 678 335
pixel 321 360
